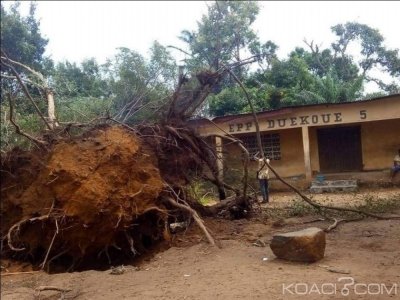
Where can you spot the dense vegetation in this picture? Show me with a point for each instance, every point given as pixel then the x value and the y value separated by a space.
pixel 131 88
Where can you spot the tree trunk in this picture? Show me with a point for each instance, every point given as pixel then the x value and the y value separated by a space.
pixel 51 109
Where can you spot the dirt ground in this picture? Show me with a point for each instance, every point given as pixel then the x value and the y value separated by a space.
pixel 244 266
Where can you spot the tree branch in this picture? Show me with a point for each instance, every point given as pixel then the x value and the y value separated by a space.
pixel 37 74
pixel 18 130
pixel 179 49
pixel 315 52
pixel 195 216
pixel 24 79
pixel 26 92
pixel 252 110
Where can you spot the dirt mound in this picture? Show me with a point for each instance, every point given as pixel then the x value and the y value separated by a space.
pixel 90 198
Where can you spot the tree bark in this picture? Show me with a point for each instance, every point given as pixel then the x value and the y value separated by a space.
pixel 51 109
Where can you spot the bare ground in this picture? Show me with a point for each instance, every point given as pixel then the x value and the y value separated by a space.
pixel 368 250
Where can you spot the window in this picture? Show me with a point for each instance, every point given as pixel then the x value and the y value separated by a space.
pixel 270 142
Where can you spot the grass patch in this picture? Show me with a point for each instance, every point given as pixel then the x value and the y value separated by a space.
pixel 379 205
pixel 202 192
pixel 372 204
pixel 300 208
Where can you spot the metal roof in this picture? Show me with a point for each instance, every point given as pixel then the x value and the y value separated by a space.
pixel 285 109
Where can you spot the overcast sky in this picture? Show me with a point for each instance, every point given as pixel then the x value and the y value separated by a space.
pixel 83 29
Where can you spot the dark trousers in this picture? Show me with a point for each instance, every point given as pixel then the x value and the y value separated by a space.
pixel 394 170
pixel 264 189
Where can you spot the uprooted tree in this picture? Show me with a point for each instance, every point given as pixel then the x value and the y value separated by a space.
pixel 111 190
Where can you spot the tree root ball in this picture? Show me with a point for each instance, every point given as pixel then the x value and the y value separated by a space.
pixel 86 196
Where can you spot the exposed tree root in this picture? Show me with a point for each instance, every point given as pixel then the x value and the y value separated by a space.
pixel 51 245
pixel 18 225
pixel 185 206
pixel 195 216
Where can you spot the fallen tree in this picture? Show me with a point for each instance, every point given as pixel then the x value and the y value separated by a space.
pixel 112 190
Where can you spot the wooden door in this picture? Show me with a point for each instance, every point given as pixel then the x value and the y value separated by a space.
pixel 340 149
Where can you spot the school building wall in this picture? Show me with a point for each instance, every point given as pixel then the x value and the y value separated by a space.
pixel 291 163
pixel 378 119
pixel 380 142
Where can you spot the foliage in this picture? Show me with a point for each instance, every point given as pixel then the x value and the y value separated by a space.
pixel 87 80
pixel 21 41
pixel 232 100
pixel 328 75
pixel 373 55
pixel 202 191
pixel 140 86
pixel 28 122
pixel 223 36
pixel 299 208
pixel 82 109
pixel 20 36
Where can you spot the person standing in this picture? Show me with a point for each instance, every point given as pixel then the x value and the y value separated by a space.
pixel 396 165
pixel 263 177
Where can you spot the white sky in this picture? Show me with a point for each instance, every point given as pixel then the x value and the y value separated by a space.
pixel 84 29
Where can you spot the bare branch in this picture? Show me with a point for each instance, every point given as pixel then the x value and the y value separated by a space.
pixel 337 222
pixel 179 49
pixel 18 130
pixel 37 74
pixel 123 124
pixel 315 52
pixel 51 288
pixel 26 92
pixel 252 109
pixel 19 273
pixel 24 79
pixel 195 216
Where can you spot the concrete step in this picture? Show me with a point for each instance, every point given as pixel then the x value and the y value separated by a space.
pixel 333 182
pixel 331 186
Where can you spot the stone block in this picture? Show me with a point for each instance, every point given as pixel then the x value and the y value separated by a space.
pixel 306 245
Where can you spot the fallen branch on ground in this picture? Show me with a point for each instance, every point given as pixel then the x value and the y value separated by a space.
pixel 194 213
pixel 18 273
pixel 195 216
pixel 337 222
pixel 51 288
